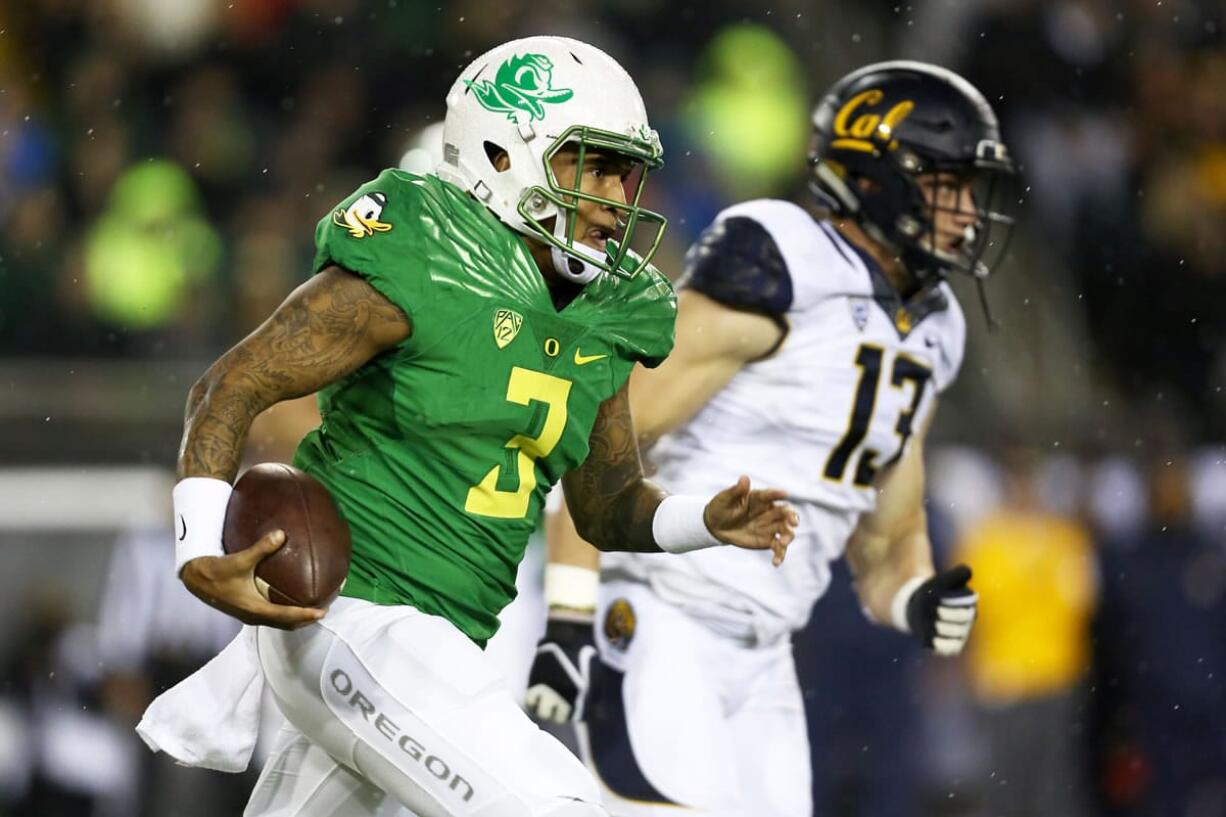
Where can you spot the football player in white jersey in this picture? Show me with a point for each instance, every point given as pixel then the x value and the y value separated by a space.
pixel 811 347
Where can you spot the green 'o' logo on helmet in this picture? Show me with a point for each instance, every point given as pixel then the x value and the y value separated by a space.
pixel 521 88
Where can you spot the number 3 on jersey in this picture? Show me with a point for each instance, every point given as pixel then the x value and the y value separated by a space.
pixel 507 488
pixel 868 358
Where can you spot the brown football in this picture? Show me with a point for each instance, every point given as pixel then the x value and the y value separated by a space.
pixel 311 566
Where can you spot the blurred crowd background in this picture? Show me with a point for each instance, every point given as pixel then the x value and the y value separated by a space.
pixel 162 167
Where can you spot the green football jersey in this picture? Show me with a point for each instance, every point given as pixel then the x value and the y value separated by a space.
pixel 440 452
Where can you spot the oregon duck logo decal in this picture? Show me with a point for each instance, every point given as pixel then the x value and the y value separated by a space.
pixel 521 88
pixel 362 217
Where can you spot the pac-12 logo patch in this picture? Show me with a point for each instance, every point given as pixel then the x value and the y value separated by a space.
pixel 506 326
pixel 859 312
pixel 619 624
pixel 362 217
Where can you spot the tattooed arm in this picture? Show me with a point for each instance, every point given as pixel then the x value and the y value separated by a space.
pixel 327 328
pixel 610 502
pixel 714 342
pixel 614 507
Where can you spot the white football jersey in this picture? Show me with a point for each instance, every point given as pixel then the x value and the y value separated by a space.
pixel 836 403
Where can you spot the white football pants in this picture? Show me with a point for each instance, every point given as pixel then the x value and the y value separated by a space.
pixel 390 708
pixel 681 716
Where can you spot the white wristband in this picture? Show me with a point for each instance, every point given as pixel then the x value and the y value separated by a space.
pixel 571 587
pixel 679 526
pixel 200 514
pixel 898 607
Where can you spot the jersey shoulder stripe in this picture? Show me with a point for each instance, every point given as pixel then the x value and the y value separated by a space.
pixel 737 262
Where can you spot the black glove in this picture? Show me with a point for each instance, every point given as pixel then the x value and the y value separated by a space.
pixel 558 681
pixel 942 611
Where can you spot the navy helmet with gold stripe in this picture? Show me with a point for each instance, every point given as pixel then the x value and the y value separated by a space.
pixel 883 127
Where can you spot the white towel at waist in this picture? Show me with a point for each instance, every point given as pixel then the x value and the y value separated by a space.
pixel 211 718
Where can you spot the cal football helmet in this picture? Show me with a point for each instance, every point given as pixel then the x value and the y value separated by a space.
pixel 882 126
pixel 531 98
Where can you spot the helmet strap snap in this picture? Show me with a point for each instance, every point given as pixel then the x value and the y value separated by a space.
pixel 909 226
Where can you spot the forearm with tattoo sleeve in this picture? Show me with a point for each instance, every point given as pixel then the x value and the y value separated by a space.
pixel 611 503
pixel 327 328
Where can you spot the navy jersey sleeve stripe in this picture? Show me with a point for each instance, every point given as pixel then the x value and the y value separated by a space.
pixel 737 262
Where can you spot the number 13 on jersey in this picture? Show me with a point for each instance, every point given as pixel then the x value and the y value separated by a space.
pixel 868 360
pixel 507 489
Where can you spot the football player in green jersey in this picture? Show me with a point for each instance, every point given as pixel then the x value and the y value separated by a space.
pixel 470 335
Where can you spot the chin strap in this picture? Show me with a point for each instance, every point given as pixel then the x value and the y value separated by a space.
pixel 574 264
pixel 573 268
pixel 977 271
pixel 983 301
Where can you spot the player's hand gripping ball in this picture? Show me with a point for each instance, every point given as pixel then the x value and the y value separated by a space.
pixel 309 569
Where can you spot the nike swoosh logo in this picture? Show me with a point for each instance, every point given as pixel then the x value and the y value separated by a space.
pixel 583 360
pixel 183 535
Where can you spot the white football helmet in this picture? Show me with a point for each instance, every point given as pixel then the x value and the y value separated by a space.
pixel 529 98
